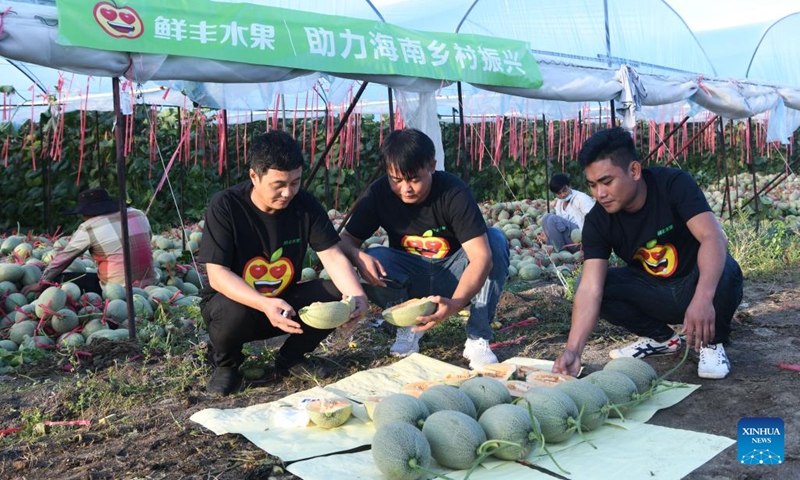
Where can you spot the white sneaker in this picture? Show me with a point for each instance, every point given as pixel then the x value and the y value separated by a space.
pixel 713 362
pixel 478 353
pixel 647 347
pixel 406 342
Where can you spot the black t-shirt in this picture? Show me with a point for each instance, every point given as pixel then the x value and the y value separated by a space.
pixel 656 238
pixel 266 250
pixel 436 228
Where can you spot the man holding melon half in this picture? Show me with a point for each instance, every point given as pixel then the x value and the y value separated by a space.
pixel 677 268
pixel 254 241
pixel 439 246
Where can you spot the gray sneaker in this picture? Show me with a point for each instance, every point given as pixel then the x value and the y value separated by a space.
pixel 406 342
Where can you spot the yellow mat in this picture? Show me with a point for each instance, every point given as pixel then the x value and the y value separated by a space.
pixel 637 450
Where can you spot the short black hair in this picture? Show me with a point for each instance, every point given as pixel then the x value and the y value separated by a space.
pixel 275 149
pixel 558 181
pixel 615 144
pixel 407 150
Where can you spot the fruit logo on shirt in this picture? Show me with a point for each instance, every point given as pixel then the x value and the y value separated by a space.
pixel 658 260
pixel 269 278
pixel 427 245
pixel 119 22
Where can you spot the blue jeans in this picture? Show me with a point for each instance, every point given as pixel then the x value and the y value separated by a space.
pixel 416 276
pixel 647 305
pixel 558 231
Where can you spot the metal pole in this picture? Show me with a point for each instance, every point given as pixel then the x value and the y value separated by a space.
pixel 723 158
pixel 123 208
pixel 462 134
pixel 391 111
pixel 546 163
pixel 752 166
pixel 335 135
pixel 664 141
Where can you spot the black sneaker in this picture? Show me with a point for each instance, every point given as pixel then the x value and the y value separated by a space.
pixel 224 381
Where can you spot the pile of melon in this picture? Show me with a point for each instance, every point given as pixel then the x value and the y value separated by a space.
pixel 64 317
pixel 460 426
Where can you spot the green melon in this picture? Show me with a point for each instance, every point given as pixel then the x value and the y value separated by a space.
pixel 11 272
pixel 37 342
pixel 455 438
pixel 114 291
pixel 117 309
pixel 113 335
pixel 642 374
pixel 92 326
pixel 14 300
pixel 7 287
pixel 10 243
pixel 556 412
pixel 64 320
pixel 591 400
pixel 52 299
pixel 485 392
pixel 71 340
pixel 406 313
pixel 30 274
pixel 9 345
pixel 400 407
pixel 445 397
pixel 619 389
pixel 326 315
pixel 510 423
pixel 400 450
pixel 329 412
pixel 72 290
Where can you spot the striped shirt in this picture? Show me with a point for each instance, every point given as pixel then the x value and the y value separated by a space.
pixel 102 236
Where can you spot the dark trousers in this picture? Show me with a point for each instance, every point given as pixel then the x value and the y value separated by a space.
pixel 87 282
pixel 646 305
pixel 231 324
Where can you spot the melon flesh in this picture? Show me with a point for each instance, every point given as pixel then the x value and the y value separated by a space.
pixel 329 413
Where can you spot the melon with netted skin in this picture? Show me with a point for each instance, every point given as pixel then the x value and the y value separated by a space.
pixel 401 451
pixel 329 412
pixel 327 315
pixel 406 313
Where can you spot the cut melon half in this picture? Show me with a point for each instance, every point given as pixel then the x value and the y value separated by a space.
pixel 330 412
pixel 406 313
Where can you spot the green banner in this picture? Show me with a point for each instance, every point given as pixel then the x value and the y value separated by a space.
pixel 256 34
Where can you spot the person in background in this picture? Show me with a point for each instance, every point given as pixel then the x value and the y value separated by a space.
pixel 254 243
pixel 439 245
pixel 101 234
pixel 677 271
pixel 571 208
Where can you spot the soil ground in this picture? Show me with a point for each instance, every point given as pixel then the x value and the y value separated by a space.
pixel 156 440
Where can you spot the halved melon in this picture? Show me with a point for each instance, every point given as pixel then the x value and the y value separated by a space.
pixel 456 379
pixel 517 388
pixel 500 371
pixel 326 315
pixel 547 379
pixel 329 412
pixel 406 313
pixel 415 389
pixel 371 402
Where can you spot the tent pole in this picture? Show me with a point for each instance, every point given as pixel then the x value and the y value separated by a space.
pixel 123 206
pixel 391 110
pixel 462 134
pixel 691 140
pixel 546 163
pixel 335 135
pixel 663 141
pixel 752 166
pixel 724 159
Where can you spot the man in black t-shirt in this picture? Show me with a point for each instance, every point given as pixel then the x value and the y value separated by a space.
pixel 678 270
pixel 439 245
pixel 254 241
